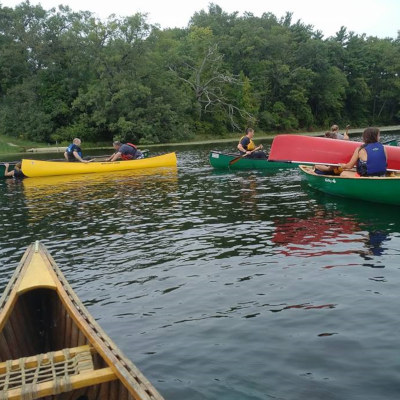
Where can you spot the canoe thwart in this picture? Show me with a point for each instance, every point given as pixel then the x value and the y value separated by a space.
pixel 50 373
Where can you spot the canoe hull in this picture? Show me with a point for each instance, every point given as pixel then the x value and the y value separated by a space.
pixel 373 189
pixel 35 168
pixel 319 150
pixel 220 160
pixel 42 319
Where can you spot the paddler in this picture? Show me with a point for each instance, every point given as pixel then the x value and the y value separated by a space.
pixel 126 151
pixel 247 147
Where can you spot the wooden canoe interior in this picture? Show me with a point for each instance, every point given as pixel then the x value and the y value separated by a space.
pixel 39 323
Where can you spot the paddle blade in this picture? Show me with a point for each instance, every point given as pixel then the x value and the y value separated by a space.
pixel 235 160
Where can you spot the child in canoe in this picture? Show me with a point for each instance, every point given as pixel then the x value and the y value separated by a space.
pixel 370 158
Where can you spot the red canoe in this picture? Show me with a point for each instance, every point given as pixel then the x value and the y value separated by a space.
pixel 308 149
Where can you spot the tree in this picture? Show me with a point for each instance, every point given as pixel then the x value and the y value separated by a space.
pixel 204 72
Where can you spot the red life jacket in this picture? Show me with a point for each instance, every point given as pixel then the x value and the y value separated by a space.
pixel 128 156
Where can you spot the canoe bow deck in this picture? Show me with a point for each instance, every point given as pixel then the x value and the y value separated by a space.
pixel 374 189
pixel 50 346
pixel 35 168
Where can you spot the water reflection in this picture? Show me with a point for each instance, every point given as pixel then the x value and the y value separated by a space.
pixel 316 235
pixel 84 198
pixel 372 223
pixel 192 268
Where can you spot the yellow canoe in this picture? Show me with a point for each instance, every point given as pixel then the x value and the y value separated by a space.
pixel 52 348
pixel 34 168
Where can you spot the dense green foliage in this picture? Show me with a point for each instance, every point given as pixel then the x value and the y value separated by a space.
pixel 66 74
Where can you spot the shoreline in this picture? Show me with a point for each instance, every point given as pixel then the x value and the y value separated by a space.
pixel 61 149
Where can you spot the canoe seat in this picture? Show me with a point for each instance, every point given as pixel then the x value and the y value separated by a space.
pixel 49 374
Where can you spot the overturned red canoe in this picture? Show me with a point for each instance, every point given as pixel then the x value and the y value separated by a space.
pixel 306 149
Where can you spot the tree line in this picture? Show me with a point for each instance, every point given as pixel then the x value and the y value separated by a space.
pixel 65 74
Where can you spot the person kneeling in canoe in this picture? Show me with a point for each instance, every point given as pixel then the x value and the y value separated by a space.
pixel 370 158
pixel 126 151
pixel 73 152
pixel 247 147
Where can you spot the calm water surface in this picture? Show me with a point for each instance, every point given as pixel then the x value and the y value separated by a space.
pixel 219 285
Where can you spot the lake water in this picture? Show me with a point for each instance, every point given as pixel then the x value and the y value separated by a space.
pixel 224 285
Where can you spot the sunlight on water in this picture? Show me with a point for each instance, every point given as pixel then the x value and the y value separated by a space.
pixel 241 285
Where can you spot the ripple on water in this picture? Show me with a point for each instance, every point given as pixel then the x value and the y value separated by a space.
pixel 239 285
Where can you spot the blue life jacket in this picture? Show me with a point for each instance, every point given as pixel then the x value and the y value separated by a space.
pixel 70 150
pixel 376 159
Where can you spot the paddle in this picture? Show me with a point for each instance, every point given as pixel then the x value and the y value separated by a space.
pixel 244 155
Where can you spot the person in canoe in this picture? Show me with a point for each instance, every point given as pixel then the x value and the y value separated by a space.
pixel 335 134
pixel 247 147
pixel 126 151
pixel 370 158
pixel 73 152
pixel 332 134
pixel 16 173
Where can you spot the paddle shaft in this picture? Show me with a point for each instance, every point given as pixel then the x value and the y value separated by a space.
pixel 244 155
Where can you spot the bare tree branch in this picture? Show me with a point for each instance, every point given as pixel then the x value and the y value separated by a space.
pixel 208 85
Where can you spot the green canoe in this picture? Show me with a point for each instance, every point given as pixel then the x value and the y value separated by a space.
pixel 221 161
pixel 392 142
pixel 376 189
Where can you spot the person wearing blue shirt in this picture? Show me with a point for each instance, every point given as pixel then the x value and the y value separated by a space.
pixel 126 151
pixel 74 153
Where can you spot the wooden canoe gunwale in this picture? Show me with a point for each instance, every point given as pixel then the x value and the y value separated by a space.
pixel 5 306
pixel 130 376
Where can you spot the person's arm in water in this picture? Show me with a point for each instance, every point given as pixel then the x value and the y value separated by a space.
pixel 6 171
